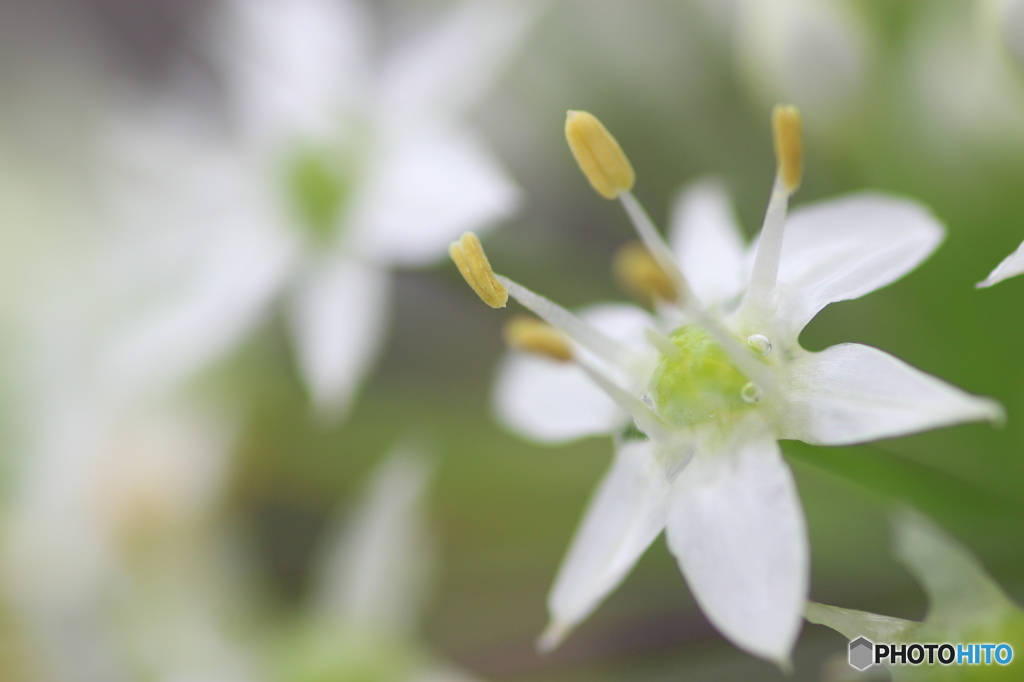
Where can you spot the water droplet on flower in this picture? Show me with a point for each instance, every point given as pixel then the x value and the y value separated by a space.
pixel 760 343
pixel 751 392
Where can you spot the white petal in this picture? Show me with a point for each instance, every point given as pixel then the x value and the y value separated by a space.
pixel 553 402
pixel 373 571
pixel 451 67
pixel 854 624
pixel 844 248
pixel 960 590
pixel 425 191
pixel 338 315
pixel 190 261
pixel 1011 266
pixel 625 515
pixel 736 526
pixel 708 242
pixel 852 393
pixel 292 67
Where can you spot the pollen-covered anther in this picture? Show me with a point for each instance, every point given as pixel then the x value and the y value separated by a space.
pixel 637 271
pixel 472 262
pixel 598 154
pixel 530 335
pixel 789 155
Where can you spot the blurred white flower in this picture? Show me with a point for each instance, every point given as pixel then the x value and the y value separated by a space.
pixel 369 584
pixel 964 84
pixel 105 552
pixel 358 163
pixel 713 381
pixel 965 604
pixel 815 53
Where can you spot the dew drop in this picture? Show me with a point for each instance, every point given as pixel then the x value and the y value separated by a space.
pixel 760 343
pixel 751 392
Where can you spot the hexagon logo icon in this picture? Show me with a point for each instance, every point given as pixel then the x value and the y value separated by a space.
pixel 861 653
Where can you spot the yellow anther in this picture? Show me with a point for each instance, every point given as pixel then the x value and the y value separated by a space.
pixel 598 154
pixel 639 274
pixel 472 262
pixel 789 154
pixel 531 335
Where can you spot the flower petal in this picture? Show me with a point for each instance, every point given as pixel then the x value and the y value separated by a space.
pixel 338 316
pixel 1011 266
pixel 625 515
pixel 708 242
pixel 453 65
pixel 852 393
pixel 426 190
pixel 960 590
pixel 554 402
pixel 844 248
pixel 736 527
pixel 189 262
pixel 292 67
pixel 375 566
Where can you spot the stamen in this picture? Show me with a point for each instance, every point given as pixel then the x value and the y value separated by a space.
pixel 662 343
pixel 472 262
pixel 655 243
pixel 789 157
pixel 601 345
pixel 539 338
pixel 741 355
pixel 598 154
pixel 652 239
pixel 639 273
pixel 646 418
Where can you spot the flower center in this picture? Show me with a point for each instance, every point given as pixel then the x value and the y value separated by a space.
pixel 319 184
pixel 699 382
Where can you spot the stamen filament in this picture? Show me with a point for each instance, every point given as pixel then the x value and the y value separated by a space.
pixel 786 131
pixel 598 343
pixel 646 418
pixel 655 243
pixel 662 343
pixel 741 355
pixel 761 292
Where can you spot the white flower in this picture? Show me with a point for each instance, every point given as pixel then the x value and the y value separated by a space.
pixel 713 382
pixel 965 605
pixel 369 583
pixel 359 163
pixel 962 77
pixel 106 550
pixel 815 53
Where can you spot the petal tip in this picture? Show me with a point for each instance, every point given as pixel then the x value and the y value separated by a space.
pixel 554 634
pixel 996 414
pixel 785 665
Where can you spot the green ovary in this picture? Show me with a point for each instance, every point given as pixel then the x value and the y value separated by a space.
pixel 699 383
pixel 319 185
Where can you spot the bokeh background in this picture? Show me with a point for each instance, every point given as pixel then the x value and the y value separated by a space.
pixel 919 98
